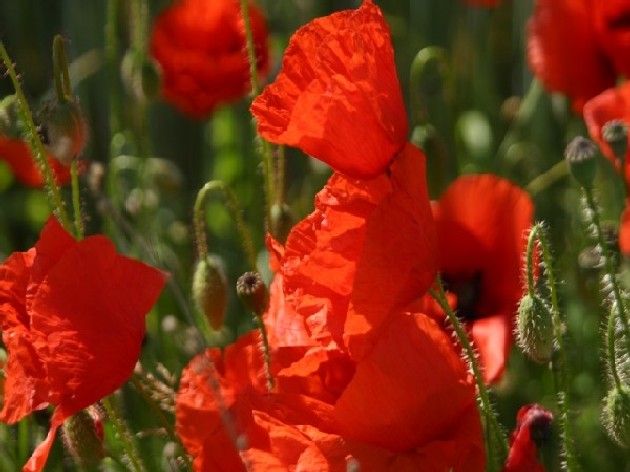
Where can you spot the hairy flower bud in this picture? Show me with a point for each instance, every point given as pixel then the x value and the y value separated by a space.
pixel 64 129
pixel 534 328
pixel 615 133
pixel 210 290
pixel 581 154
pixel 9 122
pixel 83 437
pixel 616 415
pixel 252 291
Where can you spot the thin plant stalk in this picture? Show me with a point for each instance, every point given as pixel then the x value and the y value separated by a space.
pixel 558 360
pixel 484 397
pixel 37 148
pixel 123 433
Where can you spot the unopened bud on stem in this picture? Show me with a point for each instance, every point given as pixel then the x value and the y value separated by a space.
pixel 616 414
pixel 534 328
pixel 210 290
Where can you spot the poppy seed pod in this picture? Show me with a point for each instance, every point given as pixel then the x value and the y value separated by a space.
pixel 616 415
pixel 83 438
pixel 534 329
pixel 615 134
pixel 210 290
pixel 252 291
pixel 581 155
pixel 65 131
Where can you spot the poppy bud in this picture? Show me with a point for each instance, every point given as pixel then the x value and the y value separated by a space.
pixel 65 132
pixel 141 75
pixel 615 133
pixel 616 415
pixel 534 329
pixel 83 437
pixel 9 125
pixel 210 290
pixel 281 221
pixel 581 155
pixel 252 291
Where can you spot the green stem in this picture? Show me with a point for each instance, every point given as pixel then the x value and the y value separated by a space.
pixel 35 143
pixel 462 337
pixel 122 431
pixel 146 396
pixel 558 361
pixel 558 171
pixel 63 86
pixel 237 213
pixel 265 151
pixel 76 200
pixel 619 306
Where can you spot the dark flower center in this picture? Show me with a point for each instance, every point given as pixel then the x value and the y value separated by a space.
pixel 468 292
pixel 619 22
pixel 540 429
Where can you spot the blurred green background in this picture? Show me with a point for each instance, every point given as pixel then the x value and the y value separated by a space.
pixel 477 110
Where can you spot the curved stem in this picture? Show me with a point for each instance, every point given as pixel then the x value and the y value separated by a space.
pixel 462 337
pixel 558 361
pixel 35 143
pixel 237 213
pixel 61 73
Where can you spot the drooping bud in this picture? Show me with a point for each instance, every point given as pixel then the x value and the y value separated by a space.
pixel 141 75
pixel 581 154
pixel 9 122
pixel 281 222
pixel 616 415
pixel 252 291
pixel 210 290
pixel 534 328
pixel 615 133
pixel 64 130
pixel 83 437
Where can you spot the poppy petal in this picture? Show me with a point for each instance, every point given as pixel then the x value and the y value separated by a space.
pixel 563 51
pixel 337 97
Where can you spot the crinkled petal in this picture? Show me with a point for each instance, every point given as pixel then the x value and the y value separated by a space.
pixel 14 278
pixel 337 97
pixel 88 286
pixel 624 231
pixel 563 50
pixel 612 20
pixel 366 251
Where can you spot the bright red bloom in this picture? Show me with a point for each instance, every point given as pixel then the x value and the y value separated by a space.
pixel 564 49
pixel 337 97
pixel 407 406
pixel 17 154
pixel 364 254
pixel 72 320
pixel 533 426
pixel 200 47
pixel 612 104
pixel 481 223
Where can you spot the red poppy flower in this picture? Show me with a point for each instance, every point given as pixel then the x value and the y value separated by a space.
pixel 481 222
pixel 532 428
pixel 17 154
pixel 337 96
pixel 564 49
pixel 365 253
pixel 199 45
pixel 612 104
pixel 72 320
pixel 408 405
pixel 624 231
